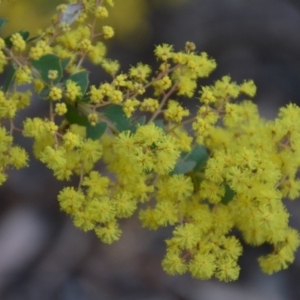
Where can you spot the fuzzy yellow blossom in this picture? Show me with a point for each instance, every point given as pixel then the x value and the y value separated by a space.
pixel 55 93
pixel 110 66
pixel 93 118
pixel 41 48
pixel 101 12
pixel 175 112
pixel 96 95
pixel 72 90
pixel 52 74
pixel 140 72
pixel 61 108
pixel 108 32
pixel 163 52
pixel 23 75
pixel 149 104
pixel 97 52
pixel 116 97
pixel 130 106
pixel 18 42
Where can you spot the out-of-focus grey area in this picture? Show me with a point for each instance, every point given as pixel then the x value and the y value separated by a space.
pixel 43 256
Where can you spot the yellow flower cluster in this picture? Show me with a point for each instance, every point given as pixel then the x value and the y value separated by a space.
pixel 227 170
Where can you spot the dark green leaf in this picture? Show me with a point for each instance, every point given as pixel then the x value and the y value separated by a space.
pixel 73 116
pixel 199 155
pixel 33 38
pixel 44 93
pixel 138 122
pixel 82 79
pixel 9 77
pixel 45 64
pixel 117 116
pixel 95 132
pixel 229 194
pixel 182 167
pixel 65 62
pixel 159 123
pixel 2 22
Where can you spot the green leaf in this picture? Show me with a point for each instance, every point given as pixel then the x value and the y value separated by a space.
pixel 199 155
pixel 44 93
pixel 82 79
pixel 45 64
pixel 9 77
pixel 95 132
pixel 182 167
pixel 65 62
pixel 2 22
pixel 159 123
pixel 24 34
pixel 117 116
pixel 138 122
pixel 229 194
pixel 73 116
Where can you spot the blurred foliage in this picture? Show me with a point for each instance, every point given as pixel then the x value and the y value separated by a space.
pixel 130 18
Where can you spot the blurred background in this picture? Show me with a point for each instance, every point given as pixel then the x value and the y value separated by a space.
pixel 43 256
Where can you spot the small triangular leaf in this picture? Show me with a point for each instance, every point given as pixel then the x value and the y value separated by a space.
pixel 95 132
pixel 2 22
pixel 73 116
pixel 182 167
pixel 46 63
pixel 117 116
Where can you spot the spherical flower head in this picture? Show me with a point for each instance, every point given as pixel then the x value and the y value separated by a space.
pixel 23 75
pixel 140 72
pixel 101 12
pixel 52 74
pixel 18 42
pixel 18 157
pixel 96 95
pixel 224 88
pixel 162 84
pixel 175 112
pixel 41 48
pixel 174 188
pixel 55 93
pixel 71 140
pixel 93 118
pixel 96 183
pixel 185 85
pixel 130 106
pixel 108 233
pixel 108 32
pixel 72 90
pixel 70 200
pixel 60 109
pixel 97 53
pixel 116 97
pixel 163 52
pixel 149 104
pixel 109 3
pixel 190 46
pixel 202 266
pixel 207 95
pixel 110 66
pixel 85 45
pixel 248 87
pixel 173 264
pixel 120 80
pixel 90 151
